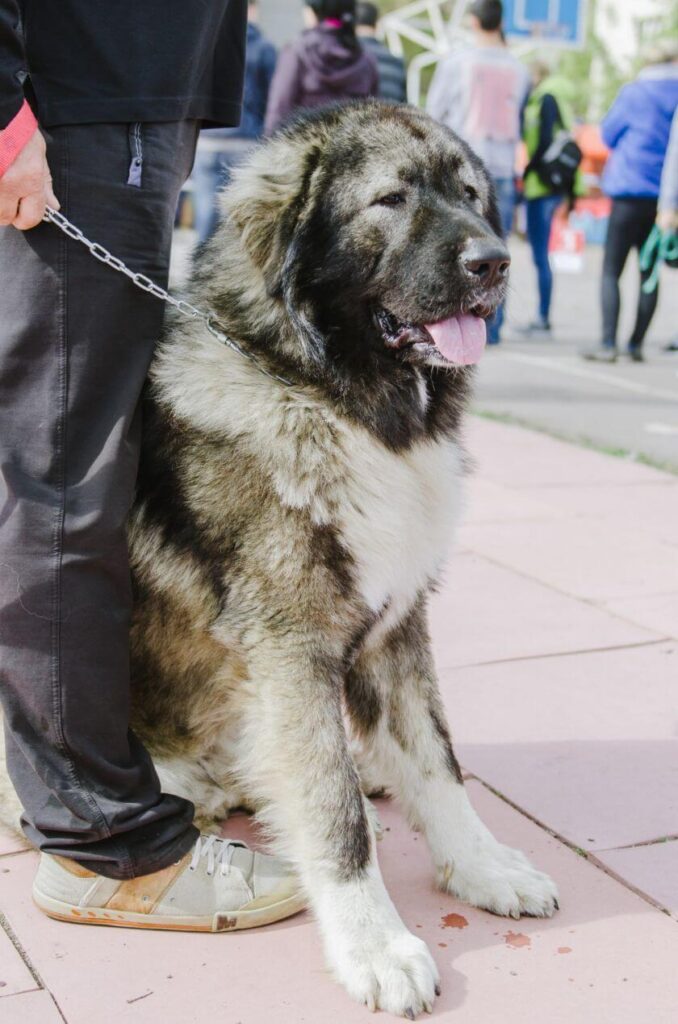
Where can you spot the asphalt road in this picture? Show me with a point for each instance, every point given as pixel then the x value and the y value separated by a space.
pixel 625 407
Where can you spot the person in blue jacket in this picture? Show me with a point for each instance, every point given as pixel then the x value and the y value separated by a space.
pixel 667 215
pixel 222 149
pixel 636 130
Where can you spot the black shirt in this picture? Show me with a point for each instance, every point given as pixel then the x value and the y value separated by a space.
pixel 81 61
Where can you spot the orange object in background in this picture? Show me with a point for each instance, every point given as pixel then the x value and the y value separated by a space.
pixel 594 154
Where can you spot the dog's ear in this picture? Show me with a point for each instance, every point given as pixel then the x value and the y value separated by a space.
pixel 266 200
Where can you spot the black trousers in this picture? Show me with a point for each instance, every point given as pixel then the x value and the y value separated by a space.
pixel 631 221
pixel 76 340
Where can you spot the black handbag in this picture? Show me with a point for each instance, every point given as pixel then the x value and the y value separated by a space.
pixel 558 166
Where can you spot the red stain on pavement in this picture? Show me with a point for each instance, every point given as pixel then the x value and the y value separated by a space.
pixel 564 949
pixel 443 945
pixel 454 921
pixel 517 940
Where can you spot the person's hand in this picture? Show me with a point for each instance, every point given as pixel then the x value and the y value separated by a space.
pixel 26 187
pixel 667 221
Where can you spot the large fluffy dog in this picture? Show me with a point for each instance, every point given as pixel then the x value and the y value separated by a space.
pixel 285 538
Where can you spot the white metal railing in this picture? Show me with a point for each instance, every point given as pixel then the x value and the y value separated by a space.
pixel 423 24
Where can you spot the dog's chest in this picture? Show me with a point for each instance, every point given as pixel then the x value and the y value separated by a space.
pixel 396 516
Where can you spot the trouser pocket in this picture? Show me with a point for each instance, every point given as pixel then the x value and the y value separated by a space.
pixel 136 149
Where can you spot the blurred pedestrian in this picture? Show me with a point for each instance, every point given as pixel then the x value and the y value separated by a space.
pixel 392 74
pixel 326 64
pixel 547 113
pixel 480 91
pixel 667 215
pixel 637 130
pixel 222 149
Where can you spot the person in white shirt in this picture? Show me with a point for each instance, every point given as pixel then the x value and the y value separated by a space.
pixel 479 92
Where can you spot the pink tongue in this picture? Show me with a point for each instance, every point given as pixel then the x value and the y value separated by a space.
pixel 461 339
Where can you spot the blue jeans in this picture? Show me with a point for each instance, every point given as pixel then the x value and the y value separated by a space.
pixel 212 172
pixel 505 189
pixel 539 217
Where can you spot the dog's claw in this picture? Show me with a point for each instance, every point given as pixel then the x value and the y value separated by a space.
pixel 556 904
pixel 428 1007
pixel 371 1004
pixel 409 1013
pixel 438 990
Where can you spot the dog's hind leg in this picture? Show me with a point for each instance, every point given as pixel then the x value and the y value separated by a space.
pixel 10 805
pixel 296 760
pixel 194 779
pixel 411 749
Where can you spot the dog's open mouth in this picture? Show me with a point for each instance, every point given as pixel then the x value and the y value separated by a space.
pixel 458 339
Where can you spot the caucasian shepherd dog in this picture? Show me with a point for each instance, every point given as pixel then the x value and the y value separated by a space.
pixel 286 535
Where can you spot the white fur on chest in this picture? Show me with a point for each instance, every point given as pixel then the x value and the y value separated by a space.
pixel 397 513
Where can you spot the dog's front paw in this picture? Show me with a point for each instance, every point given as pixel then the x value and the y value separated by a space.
pixel 391 971
pixel 501 880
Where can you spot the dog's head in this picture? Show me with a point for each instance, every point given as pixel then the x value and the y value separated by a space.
pixel 377 231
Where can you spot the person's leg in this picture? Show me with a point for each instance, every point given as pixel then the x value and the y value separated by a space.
pixel 205 178
pixel 211 173
pixel 76 340
pixel 539 216
pixel 645 214
pixel 549 207
pixel 618 242
pixel 505 191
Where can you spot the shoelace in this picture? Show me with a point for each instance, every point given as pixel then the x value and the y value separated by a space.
pixel 217 852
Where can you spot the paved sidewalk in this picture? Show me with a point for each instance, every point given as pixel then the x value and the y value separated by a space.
pixel 557 642
pixel 544 383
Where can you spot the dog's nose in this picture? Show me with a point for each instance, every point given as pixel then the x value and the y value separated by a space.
pixel 487 262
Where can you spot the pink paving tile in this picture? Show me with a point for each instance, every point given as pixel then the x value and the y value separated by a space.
pixel 652 869
pixel 277 974
pixel 487 613
pixel 650 507
pixel 607 955
pixel 488 502
pixel 30 1008
pixel 583 557
pixel 10 842
pixel 587 743
pixel 14 975
pixel 659 612
pixel 524 458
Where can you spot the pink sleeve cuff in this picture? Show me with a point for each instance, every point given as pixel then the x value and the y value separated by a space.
pixel 15 136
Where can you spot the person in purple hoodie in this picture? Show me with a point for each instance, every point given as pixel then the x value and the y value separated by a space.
pixel 326 64
pixel 636 129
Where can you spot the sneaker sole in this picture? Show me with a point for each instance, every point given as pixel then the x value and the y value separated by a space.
pixel 221 922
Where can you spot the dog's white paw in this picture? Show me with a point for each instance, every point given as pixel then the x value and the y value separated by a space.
pixel 388 970
pixel 501 880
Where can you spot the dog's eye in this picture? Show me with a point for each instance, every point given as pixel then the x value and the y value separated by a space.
pixel 392 199
pixel 470 193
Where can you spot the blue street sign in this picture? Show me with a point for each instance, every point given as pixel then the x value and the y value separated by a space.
pixel 557 22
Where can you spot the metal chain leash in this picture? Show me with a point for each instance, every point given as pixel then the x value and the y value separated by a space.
pixel 142 281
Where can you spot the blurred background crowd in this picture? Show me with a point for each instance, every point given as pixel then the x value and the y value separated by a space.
pixel 572 109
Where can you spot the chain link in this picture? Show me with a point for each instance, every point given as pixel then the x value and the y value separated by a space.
pixel 141 281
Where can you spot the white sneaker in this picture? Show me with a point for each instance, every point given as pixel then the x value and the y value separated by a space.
pixel 220 886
